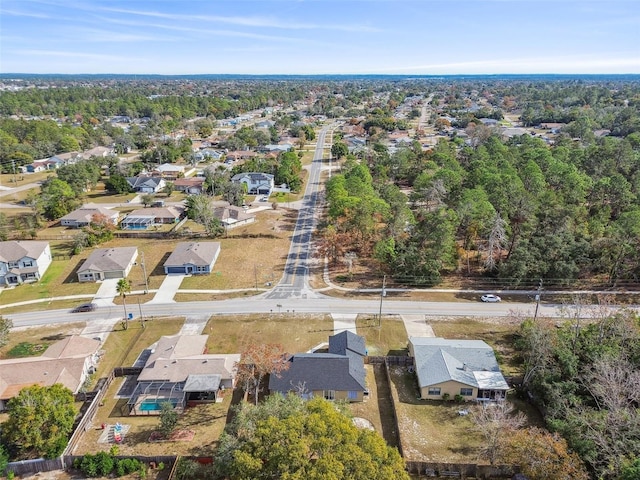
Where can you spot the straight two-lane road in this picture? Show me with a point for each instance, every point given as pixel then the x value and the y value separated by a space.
pixel 295 280
pixel 275 306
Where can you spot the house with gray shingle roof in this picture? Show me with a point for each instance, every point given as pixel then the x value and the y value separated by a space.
pixel 23 261
pixel 337 375
pixel 146 184
pixel 456 367
pixel 106 263
pixel 192 258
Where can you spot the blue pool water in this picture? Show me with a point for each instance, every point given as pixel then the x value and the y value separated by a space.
pixel 151 406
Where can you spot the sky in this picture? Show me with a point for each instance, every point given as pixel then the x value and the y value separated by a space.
pixel 408 37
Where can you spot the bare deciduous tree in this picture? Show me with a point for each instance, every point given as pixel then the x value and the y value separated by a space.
pixel 494 421
pixel 496 242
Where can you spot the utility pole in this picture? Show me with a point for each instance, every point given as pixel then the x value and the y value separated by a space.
pixel 144 271
pixel 141 317
pixel 13 162
pixel 255 275
pixel 535 315
pixel 383 293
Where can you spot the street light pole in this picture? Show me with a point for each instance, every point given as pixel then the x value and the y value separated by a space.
pixel 383 293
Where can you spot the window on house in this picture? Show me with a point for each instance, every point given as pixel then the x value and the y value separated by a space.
pixel 434 391
pixel 466 392
pixel 28 263
pixel 353 395
pixel 330 394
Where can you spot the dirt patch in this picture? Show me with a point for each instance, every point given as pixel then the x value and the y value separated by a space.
pixel 177 436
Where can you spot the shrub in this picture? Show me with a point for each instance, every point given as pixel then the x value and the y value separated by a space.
pixel 458 398
pixel 445 397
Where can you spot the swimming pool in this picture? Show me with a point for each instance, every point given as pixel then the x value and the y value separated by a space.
pixel 153 406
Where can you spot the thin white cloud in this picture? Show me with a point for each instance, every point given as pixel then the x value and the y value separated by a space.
pixel 246 21
pixel 17 13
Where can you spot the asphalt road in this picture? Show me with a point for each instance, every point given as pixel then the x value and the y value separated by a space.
pixel 295 280
pixel 275 306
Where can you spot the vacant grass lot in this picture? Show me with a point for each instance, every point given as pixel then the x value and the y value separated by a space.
pixel 390 339
pixel 295 332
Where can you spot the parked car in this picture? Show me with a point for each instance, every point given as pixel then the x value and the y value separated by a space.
pixel 85 307
pixel 489 297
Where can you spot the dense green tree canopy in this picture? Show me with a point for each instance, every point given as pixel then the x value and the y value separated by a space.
pixel 289 438
pixel 40 421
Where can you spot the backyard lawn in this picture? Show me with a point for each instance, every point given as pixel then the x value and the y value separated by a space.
pixel 431 431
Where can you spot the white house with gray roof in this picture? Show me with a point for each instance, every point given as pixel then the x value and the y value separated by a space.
pixel 192 258
pixel 23 261
pixel 146 184
pixel 456 367
pixel 256 183
pixel 106 263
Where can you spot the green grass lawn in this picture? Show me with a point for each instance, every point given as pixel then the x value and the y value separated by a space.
pixel 26 338
pixel 57 281
pixel 390 339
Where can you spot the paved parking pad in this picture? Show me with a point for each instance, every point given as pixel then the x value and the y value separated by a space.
pixel 344 321
pixel 106 293
pixel 417 326
pixel 168 289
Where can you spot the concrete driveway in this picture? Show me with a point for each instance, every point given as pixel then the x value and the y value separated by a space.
pixel 106 293
pixel 416 326
pixel 168 289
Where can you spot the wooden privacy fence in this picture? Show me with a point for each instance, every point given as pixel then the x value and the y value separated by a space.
pixel 390 360
pixel 460 470
pixel 30 467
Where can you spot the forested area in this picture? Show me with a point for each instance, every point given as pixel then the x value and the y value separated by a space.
pixel 515 210
pixel 585 376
